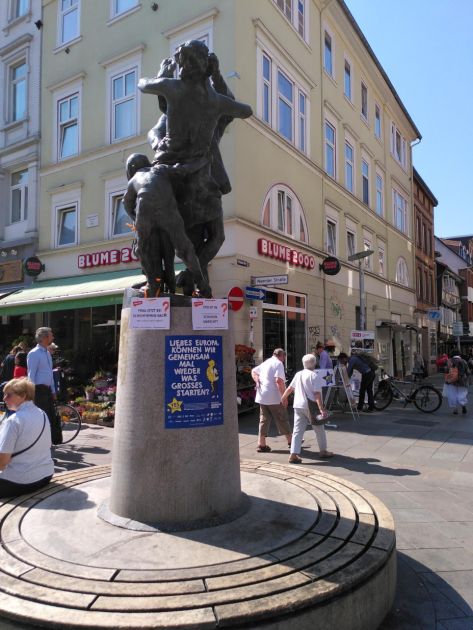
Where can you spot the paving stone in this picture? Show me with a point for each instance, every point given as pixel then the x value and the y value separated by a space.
pixel 451 559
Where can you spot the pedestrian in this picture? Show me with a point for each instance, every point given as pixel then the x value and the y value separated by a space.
pixel 324 362
pixel 40 372
pixel 366 366
pixel 270 380
pixel 456 383
pixel 418 368
pixel 20 365
pixel 25 442
pixel 305 386
pixel 8 365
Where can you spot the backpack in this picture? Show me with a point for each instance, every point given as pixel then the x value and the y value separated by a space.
pixel 369 360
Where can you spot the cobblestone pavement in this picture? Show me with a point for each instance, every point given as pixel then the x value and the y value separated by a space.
pixel 419 465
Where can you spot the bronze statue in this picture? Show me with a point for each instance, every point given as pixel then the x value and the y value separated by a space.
pixel 176 202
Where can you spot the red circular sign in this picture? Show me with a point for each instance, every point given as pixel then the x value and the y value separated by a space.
pixel 235 298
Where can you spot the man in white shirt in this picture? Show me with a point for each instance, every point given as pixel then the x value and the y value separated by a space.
pixel 270 380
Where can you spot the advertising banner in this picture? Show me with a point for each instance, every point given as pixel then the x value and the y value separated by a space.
pixel 193 381
pixel 209 314
pixel 362 341
pixel 150 313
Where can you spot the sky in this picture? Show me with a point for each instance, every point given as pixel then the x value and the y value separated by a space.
pixel 426 49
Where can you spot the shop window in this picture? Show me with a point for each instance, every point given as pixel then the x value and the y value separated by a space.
pixel 282 212
pixel 19 196
pixel 284 326
pixel 68 20
pixel 66 226
pixel 402 273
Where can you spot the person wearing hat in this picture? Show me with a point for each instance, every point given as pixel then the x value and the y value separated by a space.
pixel 270 380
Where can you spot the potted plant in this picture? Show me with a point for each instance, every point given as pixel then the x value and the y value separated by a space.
pixel 90 392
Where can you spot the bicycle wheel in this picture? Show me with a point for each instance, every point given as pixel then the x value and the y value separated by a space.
pixel 427 398
pixel 70 422
pixel 383 397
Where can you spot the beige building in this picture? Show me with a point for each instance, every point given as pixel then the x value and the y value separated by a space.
pixel 322 168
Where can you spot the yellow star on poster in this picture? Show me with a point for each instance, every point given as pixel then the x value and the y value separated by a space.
pixel 175 405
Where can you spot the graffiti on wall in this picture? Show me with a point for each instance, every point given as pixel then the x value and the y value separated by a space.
pixel 336 307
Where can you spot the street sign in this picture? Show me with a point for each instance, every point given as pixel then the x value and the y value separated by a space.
pixel 434 315
pixel 235 298
pixel 262 281
pixel 457 329
pixel 253 293
pixel 253 312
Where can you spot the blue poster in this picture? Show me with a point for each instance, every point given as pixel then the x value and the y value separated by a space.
pixel 193 381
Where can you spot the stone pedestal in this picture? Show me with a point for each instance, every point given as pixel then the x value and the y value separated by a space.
pixel 171 478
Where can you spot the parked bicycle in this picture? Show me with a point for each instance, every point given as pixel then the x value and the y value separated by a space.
pixel 425 397
pixel 71 421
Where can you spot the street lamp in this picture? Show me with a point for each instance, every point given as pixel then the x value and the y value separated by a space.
pixel 361 277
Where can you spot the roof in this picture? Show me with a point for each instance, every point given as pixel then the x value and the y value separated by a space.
pixel 426 189
pixel 360 34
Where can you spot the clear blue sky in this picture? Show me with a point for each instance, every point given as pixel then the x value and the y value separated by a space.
pixel 426 49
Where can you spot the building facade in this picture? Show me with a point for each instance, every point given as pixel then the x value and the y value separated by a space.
pixel 322 168
pixel 20 72
pixel 463 246
pixel 426 285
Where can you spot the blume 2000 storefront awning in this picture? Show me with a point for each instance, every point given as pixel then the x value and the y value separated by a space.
pixel 98 289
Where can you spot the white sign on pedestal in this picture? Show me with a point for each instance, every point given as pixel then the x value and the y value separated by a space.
pixel 209 314
pixel 151 313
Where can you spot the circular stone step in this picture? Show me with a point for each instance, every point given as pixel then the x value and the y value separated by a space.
pixel 312 551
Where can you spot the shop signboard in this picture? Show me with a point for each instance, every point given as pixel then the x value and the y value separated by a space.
pixel 330 266
pixel 33 266
pixel 11 271
pixel 193 381
pixel 150 313
pixel 209 314
pixel 361 341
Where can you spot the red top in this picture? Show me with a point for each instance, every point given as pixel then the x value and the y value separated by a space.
pixel 19 371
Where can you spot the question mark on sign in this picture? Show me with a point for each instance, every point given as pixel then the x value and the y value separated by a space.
pixel 166 306
pixel 224 307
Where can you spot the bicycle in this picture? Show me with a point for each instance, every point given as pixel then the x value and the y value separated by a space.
pixel 71 421
pixel 425 397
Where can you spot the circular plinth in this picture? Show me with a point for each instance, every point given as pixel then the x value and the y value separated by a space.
pixel 312 551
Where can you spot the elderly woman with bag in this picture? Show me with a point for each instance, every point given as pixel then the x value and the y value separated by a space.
pixel 307 397
pixel 456 383
pixel 25 442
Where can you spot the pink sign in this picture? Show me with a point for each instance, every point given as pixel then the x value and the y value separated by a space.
pixel 285 254
pixel 108 257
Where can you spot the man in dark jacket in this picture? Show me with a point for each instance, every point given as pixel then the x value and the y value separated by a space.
pixel 8 365
pixel 367 371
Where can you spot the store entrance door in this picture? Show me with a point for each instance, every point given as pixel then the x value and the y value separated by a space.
pixel 284 326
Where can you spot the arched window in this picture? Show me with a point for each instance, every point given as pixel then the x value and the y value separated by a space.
pixel 402 273
pixel 282 212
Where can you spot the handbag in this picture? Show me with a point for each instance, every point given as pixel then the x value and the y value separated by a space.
pixel 316 417
pixel 452 375
pixel 31 445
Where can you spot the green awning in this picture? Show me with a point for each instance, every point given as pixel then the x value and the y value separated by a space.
pixel 98 289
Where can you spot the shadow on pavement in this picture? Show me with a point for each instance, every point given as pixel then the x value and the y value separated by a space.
pixel 365 465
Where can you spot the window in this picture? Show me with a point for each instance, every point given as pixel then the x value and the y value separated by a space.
pixel 381 261
pixel 424 238
pixel 122 6
pixel 294 12
pixel 282 102
pixel 429 242
pixel 347 80
pixel 400 212
pixel 398 146
pixel 418 232
pixel 365 179
pixel 123 105
pixel 330 154
pixel 351 243
pixel 68 20
pixel 331 242
pixel 18 105
pixel 120 218
pixel 379 195
pixel 282 212
pixel 68 131
pixel 285 106
pixel 328 59
pixel 377 121
pixel 349 159
pixel 364 101
pixel 20 8
pixel 66 226
pixel 425 294
pixel 266 89
pixel 19 196
pixel 419 283
pixel 367 247
pixel 402 275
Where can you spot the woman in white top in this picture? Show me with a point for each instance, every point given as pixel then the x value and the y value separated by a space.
pixel 306 385
pixel 25 442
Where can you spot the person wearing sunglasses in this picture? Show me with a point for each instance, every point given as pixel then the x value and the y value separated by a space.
pixel 25 442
